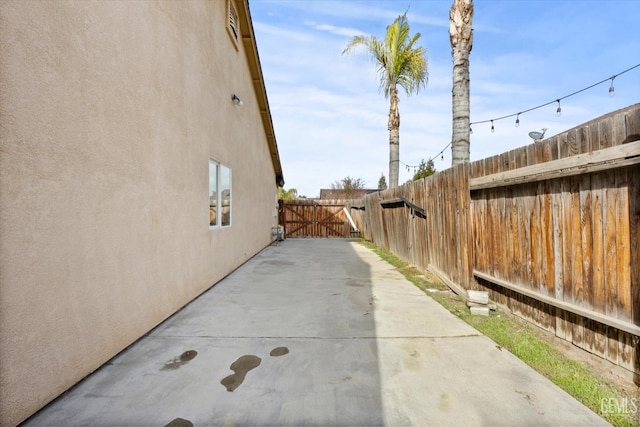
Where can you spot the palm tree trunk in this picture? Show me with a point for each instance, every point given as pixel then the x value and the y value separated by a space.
pixel 394 157
pixel 461 36
pixel 460 146
pixel 394 139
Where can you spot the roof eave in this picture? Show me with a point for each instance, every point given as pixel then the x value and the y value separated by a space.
pixel 251 50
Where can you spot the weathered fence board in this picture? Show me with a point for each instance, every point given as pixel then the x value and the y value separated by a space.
pixel 551 230
pixel 634 241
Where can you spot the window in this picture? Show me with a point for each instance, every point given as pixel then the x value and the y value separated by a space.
pixel 233 27
pixel 219 195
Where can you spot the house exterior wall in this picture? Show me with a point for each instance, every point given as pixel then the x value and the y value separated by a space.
pixel 110 112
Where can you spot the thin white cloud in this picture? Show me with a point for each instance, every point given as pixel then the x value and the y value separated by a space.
pixel 331 121
pixel 281 33
pixel 340 31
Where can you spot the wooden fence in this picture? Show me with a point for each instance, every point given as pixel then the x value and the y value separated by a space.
pixel 551 230
pixel 426 222
pixel 315 218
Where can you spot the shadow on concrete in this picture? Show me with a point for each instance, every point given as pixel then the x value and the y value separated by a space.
pixel 287 339
pixel 315 332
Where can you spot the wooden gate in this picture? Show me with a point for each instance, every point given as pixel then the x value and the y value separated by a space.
pixel 314 218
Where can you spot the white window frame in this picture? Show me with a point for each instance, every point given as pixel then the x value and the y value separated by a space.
pixel 220 203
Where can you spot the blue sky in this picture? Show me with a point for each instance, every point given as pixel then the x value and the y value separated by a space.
pixel 331 121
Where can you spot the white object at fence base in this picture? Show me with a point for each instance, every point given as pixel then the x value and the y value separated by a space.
pixel 479 311
pixel 480 297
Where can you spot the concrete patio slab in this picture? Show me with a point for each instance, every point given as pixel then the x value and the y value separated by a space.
pixel 319 332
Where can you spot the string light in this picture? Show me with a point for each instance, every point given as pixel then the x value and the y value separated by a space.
pixel 415 167
pixel 558 110
pixel 517 115
pixel 611 88
pixel 440 153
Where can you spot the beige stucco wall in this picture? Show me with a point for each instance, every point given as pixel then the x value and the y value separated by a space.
pixel 109 113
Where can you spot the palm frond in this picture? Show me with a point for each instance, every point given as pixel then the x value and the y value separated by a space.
pixel 399 62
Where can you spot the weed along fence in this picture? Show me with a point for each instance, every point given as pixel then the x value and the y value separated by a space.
pixel 551 230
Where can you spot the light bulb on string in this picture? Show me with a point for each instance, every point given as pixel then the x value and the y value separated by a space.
pixel 559 107
pixel 611 88
pixel 442 157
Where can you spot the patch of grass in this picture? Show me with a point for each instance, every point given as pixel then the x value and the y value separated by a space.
pixel 411 273
pixel 521 339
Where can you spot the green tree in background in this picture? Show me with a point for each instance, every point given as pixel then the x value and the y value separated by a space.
pixel 290 194
pixel 382 183
pixel 425 169
pixel 347 185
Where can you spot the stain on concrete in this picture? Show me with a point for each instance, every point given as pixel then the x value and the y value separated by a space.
pixel 180 422
pixel 530 400
pixel 279 351
pixel 279 262
pixel 177 362
pixel 413 361
pixel 240 368
pixel 444 403
pixel 355 283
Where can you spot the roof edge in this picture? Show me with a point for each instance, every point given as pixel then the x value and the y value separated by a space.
pixel 251 51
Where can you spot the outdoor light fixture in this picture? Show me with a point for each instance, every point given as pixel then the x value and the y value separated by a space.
pixel 236 100
pixel 518 120
pixel 611 88
pixel 559 110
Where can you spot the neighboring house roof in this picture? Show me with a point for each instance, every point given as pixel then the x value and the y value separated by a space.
pixel 331 194
pixel 251 50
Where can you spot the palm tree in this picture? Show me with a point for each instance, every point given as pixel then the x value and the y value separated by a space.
pixel 400 63
pixel 461 37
